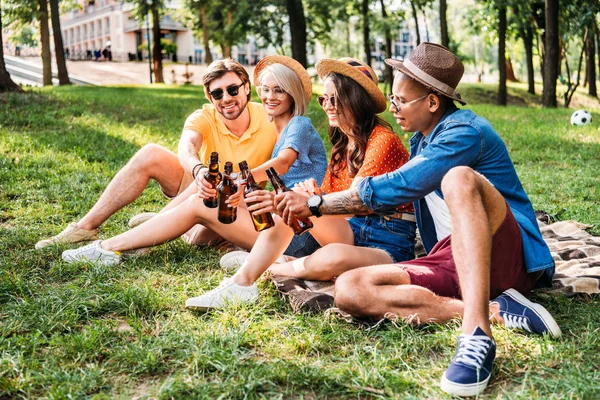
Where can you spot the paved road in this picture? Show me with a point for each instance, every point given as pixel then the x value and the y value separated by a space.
pixel 121 73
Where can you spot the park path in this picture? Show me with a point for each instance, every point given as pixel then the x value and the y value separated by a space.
pixel 123 73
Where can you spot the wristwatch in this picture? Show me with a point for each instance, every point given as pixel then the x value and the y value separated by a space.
pixel 313 203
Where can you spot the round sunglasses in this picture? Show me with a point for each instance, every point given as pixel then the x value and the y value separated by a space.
pixel 326 99
pixel 232 90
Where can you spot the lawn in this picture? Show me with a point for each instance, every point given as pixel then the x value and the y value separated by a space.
pixel 84 331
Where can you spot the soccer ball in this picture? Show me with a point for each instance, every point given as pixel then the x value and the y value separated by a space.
pixel 581 117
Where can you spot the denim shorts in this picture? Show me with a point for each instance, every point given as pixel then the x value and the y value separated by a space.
pixel 394 236
pixel 302 246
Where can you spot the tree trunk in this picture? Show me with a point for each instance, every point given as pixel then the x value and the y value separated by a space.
pixel 527 36
pixel 298 34
pixel 6 83
pixel 156 46
pixel 590 64
pixel 510 72
pixel 45 43
pixel 59 50
pixel 502 55
pixel 444 24
pixel 426 24
pixel 208 58
pixel 551 58
pixel 366 32
pixel 416 18
pixel 597 34
pixel 389 74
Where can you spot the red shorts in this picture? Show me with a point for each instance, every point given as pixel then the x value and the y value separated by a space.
pixel 437 271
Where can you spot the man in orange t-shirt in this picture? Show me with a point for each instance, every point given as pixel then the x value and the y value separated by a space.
pixel 229 125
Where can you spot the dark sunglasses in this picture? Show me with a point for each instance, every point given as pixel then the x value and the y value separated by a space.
pixel 325 99
pixel 233 91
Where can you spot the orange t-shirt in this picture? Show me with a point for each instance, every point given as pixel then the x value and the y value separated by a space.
pixel 385 153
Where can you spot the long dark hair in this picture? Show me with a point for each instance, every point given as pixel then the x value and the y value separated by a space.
pixel 356 121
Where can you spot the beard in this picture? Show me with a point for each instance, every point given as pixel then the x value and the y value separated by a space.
pixel 241 106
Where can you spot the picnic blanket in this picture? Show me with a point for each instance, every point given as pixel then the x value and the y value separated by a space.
pixel 575 252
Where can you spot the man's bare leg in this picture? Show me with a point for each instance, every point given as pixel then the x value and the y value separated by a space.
pixel 150 162
pixel 381 290
pixel 477 210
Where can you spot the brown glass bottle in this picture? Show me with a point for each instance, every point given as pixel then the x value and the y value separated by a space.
pixel 226 188
pixel 214 177
pixel 299 224
pixel 263 221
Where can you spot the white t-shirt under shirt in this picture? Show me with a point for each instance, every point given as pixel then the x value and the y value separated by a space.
pixel 441 215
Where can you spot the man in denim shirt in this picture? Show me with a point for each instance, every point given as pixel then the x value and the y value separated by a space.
pixel 476 222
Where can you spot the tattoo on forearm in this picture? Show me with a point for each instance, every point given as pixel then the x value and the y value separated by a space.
pixel 346 202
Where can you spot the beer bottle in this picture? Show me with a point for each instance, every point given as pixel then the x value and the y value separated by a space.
pixel 299 225
pixel 213 176
pixel 263 221
pixel 226 188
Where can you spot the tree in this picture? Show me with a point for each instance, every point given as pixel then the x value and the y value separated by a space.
pixel 203 6
pixel 45 41
pixel 416 19
pixel 141 10
pixel 388 73
pixel 366 31
pixel 552 55
pixel 6 83
pixel 502 54
pixel 590 64
pixel 523 17
pixel 156 9
pixel 59 50
pixel 298 33
pixel 444 24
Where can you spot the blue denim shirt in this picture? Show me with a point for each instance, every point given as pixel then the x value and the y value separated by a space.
pixel 461 138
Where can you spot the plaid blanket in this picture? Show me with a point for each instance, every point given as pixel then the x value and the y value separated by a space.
pixel 575 251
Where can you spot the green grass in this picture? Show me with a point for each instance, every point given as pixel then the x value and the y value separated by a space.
pixel 82 331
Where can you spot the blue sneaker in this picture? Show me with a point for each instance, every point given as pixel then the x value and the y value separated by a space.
pixel 520 313
pixel 471 368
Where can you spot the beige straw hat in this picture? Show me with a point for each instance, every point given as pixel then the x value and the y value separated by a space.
pixel 359 72
pixel 291 64
pixel 434 66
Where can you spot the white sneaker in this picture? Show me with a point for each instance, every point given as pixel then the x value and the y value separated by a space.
pixel 140 219
pixel 94 253
pixel 233 260
pixel 228 292
pixel 71 234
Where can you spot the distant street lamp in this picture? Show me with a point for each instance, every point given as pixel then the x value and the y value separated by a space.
pixel 148 33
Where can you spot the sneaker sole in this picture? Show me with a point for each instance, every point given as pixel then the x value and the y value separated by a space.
pixel 228 304
pixel 539 310
pixel 462 390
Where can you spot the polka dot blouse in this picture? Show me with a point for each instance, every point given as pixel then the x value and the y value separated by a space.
pixel 385 153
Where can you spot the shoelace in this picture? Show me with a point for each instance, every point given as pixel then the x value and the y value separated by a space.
pixel 80 250
pixel 472 350
pixel 224 284
pixel 516 321
pixel 64 233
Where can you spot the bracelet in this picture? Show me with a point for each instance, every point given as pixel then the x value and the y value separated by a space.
pixel 199 166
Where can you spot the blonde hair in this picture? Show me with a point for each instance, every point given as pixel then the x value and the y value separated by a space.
pixel 289 81
pixel 221 67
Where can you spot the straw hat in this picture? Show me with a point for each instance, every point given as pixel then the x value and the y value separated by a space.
pixel 359 72
pixel 291 64
pixel 434 66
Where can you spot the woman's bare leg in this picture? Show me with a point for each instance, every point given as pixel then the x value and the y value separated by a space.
pixel 331 261
pixel 173 223
pixel 272 243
